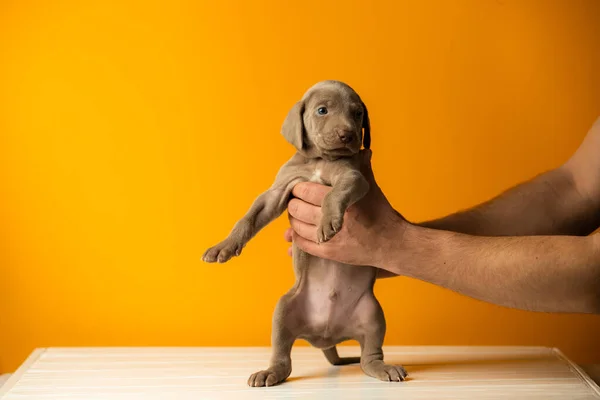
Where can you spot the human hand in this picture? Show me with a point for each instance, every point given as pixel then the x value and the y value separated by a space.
pixel 371 226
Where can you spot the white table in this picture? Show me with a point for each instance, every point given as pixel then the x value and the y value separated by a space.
pixel 221 373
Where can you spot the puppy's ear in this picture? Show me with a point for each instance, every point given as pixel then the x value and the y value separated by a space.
pixel 366 124
pixel 293 126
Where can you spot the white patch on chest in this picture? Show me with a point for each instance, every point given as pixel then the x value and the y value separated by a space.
pixel 316 176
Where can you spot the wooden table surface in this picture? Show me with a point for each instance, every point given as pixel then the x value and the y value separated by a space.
pixel 221 373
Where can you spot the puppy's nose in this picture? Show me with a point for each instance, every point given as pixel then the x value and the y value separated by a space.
pixel 345 136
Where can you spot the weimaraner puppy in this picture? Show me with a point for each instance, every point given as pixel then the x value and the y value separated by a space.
pixel 330 302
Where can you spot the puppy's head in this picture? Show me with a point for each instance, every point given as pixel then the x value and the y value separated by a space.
pixel 328 122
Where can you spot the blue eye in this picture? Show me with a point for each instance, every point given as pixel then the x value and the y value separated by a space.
pixel 322 111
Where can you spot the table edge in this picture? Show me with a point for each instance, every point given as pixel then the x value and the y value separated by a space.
pixel 14 378
pixel 578 370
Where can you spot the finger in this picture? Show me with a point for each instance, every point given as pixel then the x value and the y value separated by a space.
pixel 288 235
pixel 290 251
pixel 311 192
pixel 307 231
pixel 309 246
pixel 305 212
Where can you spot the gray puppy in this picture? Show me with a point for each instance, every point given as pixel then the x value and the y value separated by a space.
pixel 330 302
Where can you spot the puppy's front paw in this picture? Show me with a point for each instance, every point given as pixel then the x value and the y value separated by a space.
pixel 330 225
pixel 222 252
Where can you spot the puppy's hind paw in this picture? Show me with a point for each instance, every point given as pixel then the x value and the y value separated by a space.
pixel 265 378
pixel 389 373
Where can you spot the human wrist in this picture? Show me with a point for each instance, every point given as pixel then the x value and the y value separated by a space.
pixel 410 249
pixel 392 249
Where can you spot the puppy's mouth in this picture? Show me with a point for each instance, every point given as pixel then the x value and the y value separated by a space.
pixel 340 151
pixel 335 146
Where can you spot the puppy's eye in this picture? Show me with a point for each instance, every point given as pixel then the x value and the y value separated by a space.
pixel 322 111
pixel 358 113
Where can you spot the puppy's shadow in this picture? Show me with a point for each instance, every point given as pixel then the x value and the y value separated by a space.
pixel 445 365
pixel 303 377
pixel 439 365
pixel 333 372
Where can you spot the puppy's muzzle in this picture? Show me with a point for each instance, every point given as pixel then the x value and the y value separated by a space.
pixel 345 136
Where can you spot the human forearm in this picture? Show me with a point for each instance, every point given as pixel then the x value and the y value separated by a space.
pixel 543 273
pixel 549 204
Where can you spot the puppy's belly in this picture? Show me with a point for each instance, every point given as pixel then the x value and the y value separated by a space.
pixel 330 301
pixel 330 315
pixel 320 307
pixel 329 321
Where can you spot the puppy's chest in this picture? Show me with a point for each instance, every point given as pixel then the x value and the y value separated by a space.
pixel 320 173
pixel 324 172
pixel 317 176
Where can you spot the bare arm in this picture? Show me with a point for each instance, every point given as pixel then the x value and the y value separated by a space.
pixel 538 273
pixel 549 204
pixel 564 201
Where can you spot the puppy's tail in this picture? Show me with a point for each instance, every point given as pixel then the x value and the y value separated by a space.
pixel 333 357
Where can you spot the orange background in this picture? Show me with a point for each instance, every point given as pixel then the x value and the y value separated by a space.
pixel 134 134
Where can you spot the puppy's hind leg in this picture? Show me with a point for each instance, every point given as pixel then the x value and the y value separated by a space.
pixel 282 340
pixel 331 354
pixel 371 342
